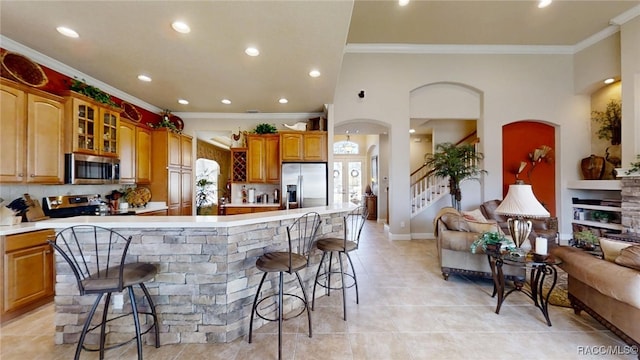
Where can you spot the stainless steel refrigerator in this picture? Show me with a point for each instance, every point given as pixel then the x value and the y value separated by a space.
pixel 304 184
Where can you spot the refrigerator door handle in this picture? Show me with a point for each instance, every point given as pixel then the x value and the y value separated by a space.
pixel 300 192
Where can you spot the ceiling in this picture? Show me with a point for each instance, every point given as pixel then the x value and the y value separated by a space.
pixel 121 39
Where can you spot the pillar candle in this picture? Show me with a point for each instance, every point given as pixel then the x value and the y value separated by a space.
pixel 541 246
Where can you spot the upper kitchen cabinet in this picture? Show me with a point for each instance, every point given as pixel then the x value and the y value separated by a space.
pixel 263 162
pixel 32 132
pixel 171 170
pixel 303 146
pixel 94 126
pixel 135 153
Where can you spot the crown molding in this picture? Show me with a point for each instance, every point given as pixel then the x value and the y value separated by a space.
pixel 626 16
pixel 247 116
pixel 593 39
pixel 460 49
pixel 64 69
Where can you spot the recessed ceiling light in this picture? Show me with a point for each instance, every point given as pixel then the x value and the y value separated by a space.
pixel 251 51
pixel 609 81
pixel 411 131
pixel 226 101
pixel 183 102
pixel 314 73
pixel 144 78
pixel 67 32
pixel 544 3
pixel 283 101
pixel 403 2
pixel 181 27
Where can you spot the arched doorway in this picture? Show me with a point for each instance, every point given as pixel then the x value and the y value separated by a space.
pixel 206 188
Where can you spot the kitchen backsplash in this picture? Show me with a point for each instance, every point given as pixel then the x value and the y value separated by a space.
pixel 236 191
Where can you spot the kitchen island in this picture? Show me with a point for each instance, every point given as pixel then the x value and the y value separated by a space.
pixel 206 269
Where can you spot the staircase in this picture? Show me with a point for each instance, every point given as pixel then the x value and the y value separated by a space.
pixel 427 188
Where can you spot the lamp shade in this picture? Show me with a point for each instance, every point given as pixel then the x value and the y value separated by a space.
pixel 520 201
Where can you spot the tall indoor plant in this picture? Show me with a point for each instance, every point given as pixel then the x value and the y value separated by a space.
pixel 458 162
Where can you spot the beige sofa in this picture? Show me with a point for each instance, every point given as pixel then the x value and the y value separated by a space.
pixel 605 290
pixel 454 235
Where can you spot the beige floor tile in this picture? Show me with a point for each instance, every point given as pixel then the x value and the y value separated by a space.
pixel 406 311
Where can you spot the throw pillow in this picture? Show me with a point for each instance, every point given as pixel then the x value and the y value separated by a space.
pixel 629 257
pixel 474 215
pixel 482 227
pixel 611 248
pixel 454 222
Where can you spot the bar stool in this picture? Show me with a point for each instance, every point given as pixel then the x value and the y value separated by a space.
pixel 300 235
pixel 353 223
pixel 97 256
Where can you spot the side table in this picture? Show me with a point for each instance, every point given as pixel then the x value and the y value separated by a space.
pixel 539 270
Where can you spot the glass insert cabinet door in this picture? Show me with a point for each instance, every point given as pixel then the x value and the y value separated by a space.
pixel 86 115
pixel 347 181
pixel 109 132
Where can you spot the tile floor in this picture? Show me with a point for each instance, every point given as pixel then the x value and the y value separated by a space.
pixel 406 311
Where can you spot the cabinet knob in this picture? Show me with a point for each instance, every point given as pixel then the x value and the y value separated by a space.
pixel 48 252
pixel 33 175
pixel 20 175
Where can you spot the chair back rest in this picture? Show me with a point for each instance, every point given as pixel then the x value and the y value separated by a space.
pixel 93 253
pixel 302 233
pixel 353 224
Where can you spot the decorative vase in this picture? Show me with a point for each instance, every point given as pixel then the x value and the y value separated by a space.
pixel 592 167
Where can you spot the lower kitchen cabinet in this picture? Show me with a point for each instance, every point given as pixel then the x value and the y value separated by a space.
pixel 236 210
pixel 28 273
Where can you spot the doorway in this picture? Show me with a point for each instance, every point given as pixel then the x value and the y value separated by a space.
pixel 348 178
pixel 207 174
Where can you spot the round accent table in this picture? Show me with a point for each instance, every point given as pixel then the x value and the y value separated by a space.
pixel 538 269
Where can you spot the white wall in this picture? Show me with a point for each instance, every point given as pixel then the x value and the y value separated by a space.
pixel 630 43
pixel 511 88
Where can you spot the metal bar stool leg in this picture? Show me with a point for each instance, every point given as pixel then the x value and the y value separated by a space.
pixel 329 274
pixel 280 313
pixel 355 279
pixel 306 302
pixel 315 282
pixel 86 327
pixel 153 313
pixel 255 305
pixel 344 288
pixel 103 325
pixel 136 320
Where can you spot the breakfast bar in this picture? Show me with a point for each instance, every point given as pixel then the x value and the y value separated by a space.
pixel 206 277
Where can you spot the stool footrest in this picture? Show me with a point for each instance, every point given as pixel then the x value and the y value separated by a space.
pixel 284 318
pixel 113 346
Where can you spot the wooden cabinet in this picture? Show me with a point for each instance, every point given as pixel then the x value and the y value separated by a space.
pixel 143 155
pixel 28 272
pixel 237 210
pixel 303 146
pixel 135 153
pixel 371 203
pixel 94 126
pixel 263 161
pixel 154 213
pixel 127 152
pixel 171 171
pixel 32 132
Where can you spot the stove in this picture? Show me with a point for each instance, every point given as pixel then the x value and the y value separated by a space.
pixel 71 205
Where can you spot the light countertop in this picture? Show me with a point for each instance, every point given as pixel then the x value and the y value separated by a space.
pixel 252 205
pixel 167 222
pixel 31 226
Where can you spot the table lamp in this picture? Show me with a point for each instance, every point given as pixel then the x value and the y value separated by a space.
pixel 520 203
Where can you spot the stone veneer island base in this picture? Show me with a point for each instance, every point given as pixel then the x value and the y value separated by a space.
pixel 206 271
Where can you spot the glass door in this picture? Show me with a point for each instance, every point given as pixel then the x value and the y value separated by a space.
pixel 347 180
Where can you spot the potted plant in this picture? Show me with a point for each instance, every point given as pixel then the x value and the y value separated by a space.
pixel 585 239
pixel 204 193
pixel 458 162
pixel 488 241
pixel 265 129
pixel 610 122
pixel 602 216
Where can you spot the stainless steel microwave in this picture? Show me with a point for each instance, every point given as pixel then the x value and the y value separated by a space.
pixel 80 169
